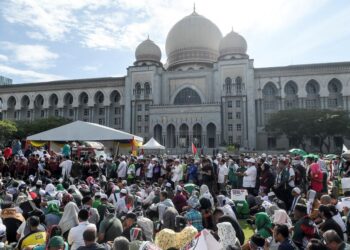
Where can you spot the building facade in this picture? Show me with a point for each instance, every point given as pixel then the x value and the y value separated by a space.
pixel 208 92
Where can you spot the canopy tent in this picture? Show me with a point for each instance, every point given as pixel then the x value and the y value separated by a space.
pixel 83 131
pixel 152 144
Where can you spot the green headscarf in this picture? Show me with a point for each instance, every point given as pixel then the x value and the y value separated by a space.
pixel 263 224
pixel 56 241
pixel 59 187
pixel 53 209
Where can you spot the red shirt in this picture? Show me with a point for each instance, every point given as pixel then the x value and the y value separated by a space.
pixel 7 152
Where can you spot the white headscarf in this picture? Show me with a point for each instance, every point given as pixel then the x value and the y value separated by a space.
pixel 281 217
pixel 227 235
pixel 311 194
pixel 205 193
pixel 70 217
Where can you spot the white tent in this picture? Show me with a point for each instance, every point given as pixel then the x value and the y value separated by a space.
pixel 83 131
pixel 152 144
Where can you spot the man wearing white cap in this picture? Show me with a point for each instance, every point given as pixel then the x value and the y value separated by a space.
pixel 296 193
pixel 249 176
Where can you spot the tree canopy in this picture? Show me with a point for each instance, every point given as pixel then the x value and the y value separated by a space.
pixel 25 128
pixel 299 125
pixel 7 130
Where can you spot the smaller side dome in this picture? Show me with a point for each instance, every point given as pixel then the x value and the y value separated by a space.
pixel 233 43
pixel 148 51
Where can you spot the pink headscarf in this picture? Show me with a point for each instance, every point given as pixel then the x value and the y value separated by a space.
pixel 315 168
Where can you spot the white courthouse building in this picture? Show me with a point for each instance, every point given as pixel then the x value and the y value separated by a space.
pixel 208 92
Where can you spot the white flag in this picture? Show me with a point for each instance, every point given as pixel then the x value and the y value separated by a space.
pixel 344 149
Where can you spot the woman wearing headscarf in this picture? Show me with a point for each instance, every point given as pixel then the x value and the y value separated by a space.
pixel 312 204
pixel 267 178
pixel 236 226
pixel 204 192
pixel 263 224
pixel 69 218
pixel 53 215
pixel 281 217
pixel 227 235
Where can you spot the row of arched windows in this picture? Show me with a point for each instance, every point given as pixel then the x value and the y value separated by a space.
pixel 312 88
pixel 139 89
pixel 68 98
pixel 233 85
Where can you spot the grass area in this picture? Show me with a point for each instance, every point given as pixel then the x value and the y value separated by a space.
pixel 247 229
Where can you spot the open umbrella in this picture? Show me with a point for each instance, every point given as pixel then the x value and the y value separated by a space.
pixel 297 151
pixel 330 157
pixel 314 156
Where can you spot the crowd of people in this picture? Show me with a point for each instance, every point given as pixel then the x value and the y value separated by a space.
pixel 59 201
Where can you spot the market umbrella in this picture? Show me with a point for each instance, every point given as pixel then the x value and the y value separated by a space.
pixel 330 157
pixel 297 151
pixel 315 156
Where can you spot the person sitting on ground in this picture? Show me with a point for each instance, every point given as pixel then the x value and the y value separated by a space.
pixel 121 243
pixel 89 237
pixel 35 236
pixel 329 223
pixel 281 235
pixel 333 241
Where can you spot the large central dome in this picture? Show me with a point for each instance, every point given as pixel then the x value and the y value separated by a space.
pixel 194 39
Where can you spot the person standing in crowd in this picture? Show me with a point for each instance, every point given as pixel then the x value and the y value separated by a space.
pixel 75 236
pixel 110 227
pixel 66 150
pixel 66 166
pixel 249 176
pixel 122 168
pixel 177 172
pixel 222 174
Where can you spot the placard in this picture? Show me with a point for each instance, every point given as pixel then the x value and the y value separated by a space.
pixel 238 194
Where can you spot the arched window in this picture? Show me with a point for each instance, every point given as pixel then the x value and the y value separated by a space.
pixel 187 96
pixel 312 87
pixel 99 97
pixel 25 101
pixel 147 88
pixel 39 101
pixel 68 99
pixel 84 98
pixel 138 88
pixel 115 96
pixel 334 86
pixel 269 95
pixel 291 98
pixel 291 88
pixel 335 98
pixel 53 100
pixel 239 84
pixel 312 99
pixel 11 102
pixel 228 83
pixel 269 89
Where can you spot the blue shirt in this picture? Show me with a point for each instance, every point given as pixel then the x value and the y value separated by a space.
pixel 192 172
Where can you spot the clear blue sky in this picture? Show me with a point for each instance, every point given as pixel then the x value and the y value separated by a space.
pixel 64 39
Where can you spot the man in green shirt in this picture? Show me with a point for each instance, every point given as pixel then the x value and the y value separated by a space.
pixel 110 227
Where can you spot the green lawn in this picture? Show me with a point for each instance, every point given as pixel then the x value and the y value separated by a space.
pixel 247 229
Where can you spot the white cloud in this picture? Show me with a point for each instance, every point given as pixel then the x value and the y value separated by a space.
pixel 28 75
pixel 90 68
pixel 33 56
pixel 107 24
pixel 3 58
pixel 35 35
